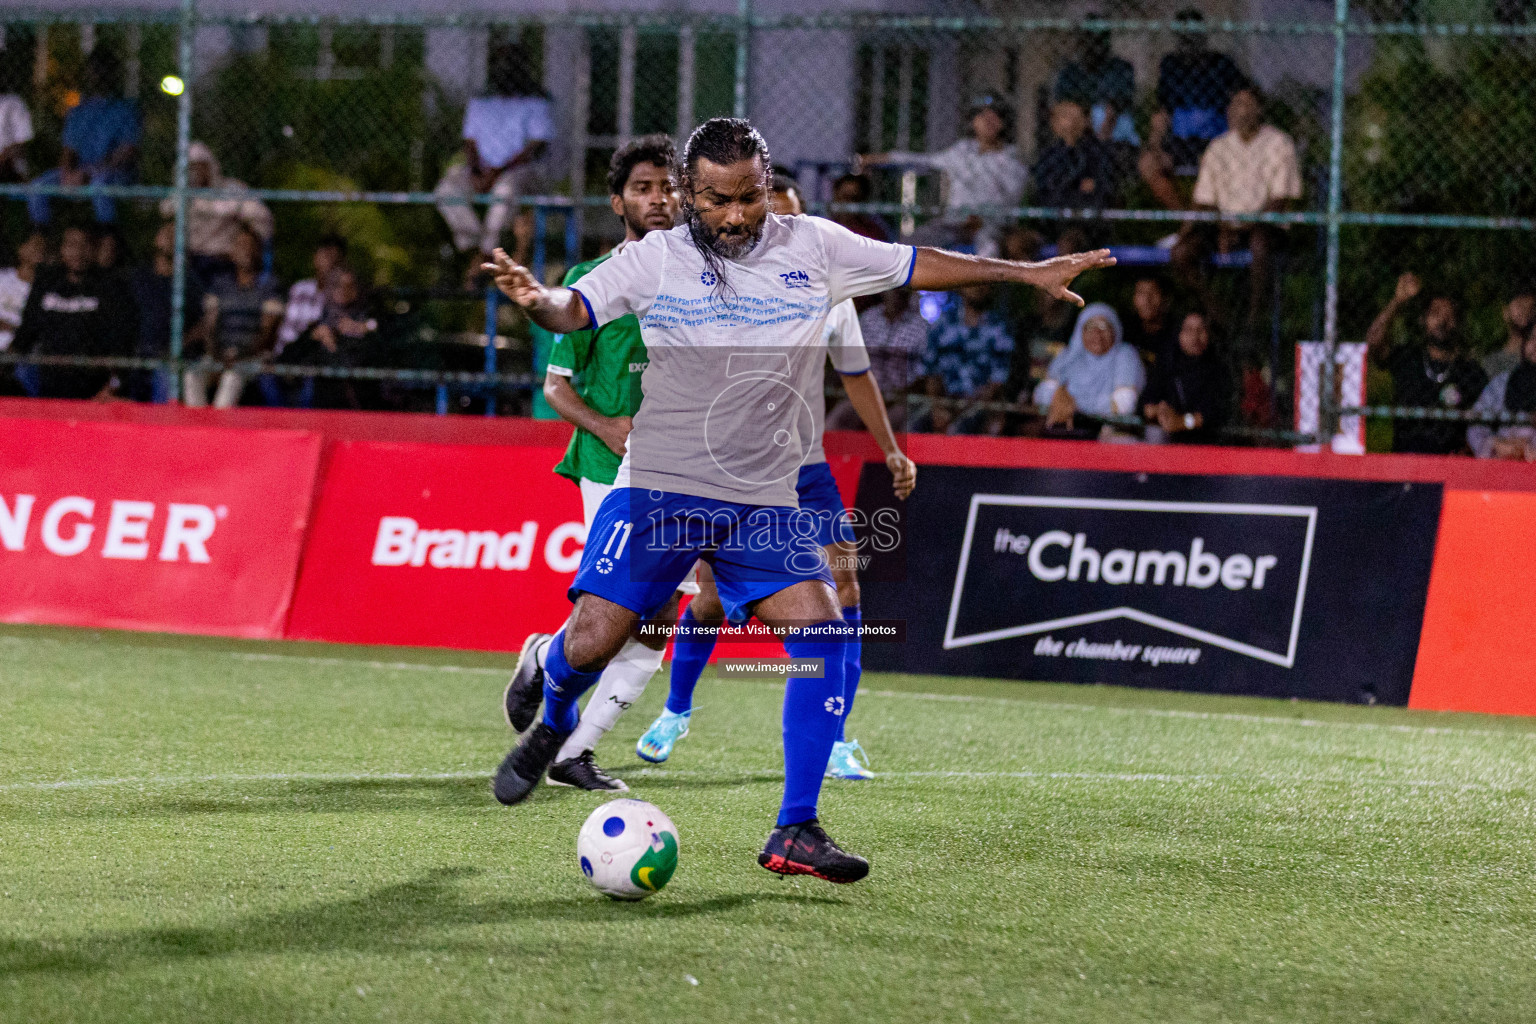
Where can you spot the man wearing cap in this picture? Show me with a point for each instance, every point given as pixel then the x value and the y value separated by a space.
pixel 984 175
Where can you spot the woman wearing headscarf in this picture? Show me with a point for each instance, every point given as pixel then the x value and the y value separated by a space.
pixel 1097 374
pixel 1511 391
pixel 1188 392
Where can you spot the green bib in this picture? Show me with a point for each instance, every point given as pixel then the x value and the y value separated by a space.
pixel 605 368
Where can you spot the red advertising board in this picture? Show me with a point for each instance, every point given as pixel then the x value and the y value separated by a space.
pixel 439 545
pixel 185 529
pixel 1476 651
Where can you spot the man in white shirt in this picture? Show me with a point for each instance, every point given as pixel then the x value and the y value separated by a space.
pixel 982 171
pixel 816 490
pixel 1250 168
pixel 15 133
pixel 16 285
pixel 504 134
pixel 733 305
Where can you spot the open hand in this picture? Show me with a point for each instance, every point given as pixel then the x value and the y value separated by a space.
pixel 1055 274
pixel 515 280
pixel 903 474
pixel 1408 287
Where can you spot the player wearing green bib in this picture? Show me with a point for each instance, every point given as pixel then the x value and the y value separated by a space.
pixel 593 382
pixel 604 369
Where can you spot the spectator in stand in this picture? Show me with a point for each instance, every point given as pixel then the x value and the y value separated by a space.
pixel 1097 375
pixel 1519 319
pixel 856 188
pixel 151 288
pixel 101 141
pixel 213 224
pixel 16 282
pixel 504 135
pixel 1076 170
pixel 340 338
pixel 1189 392
pixel 1102 84
pixel 896 336
pixel 305 306
pixel 110 249
pixel 1249 169
pixel 1154 329
pixel 1429 371
pixel 75 309
pixel 982 171
pixel 1194 86
pixel 15 126
pixel 306 299
pixel 247 311
pixel 1514 391
pixel 968 356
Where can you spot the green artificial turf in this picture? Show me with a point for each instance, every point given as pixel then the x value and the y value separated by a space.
pixel 197 830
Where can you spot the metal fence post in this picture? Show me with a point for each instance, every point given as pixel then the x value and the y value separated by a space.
pixel 183 140
pixel 1328 408
pixel 743 55
pixel 492 303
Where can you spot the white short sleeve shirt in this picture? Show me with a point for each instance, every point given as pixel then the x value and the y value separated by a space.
pixel 502 126
pixel 733 391
pixel 1243 177
pixel 15 122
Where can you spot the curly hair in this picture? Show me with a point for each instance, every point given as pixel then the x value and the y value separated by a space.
pixel 657 149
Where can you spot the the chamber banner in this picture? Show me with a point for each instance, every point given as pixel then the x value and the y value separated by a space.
pixel 1258 585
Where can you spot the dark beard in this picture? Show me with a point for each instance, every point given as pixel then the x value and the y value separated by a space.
pixel 733 248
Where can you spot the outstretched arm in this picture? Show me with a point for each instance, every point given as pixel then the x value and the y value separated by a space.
pixel 937 270
pixel 864 393
pixel 559 310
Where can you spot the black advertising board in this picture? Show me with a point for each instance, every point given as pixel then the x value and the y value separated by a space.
pixel 1273 586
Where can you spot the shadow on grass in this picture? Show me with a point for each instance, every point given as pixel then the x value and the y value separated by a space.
pixel 335 796
pixel 267 796
pixel 391 919
pixel 700 780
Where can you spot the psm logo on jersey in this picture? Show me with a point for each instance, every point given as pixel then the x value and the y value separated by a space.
pixel 707 279
pixel 796 279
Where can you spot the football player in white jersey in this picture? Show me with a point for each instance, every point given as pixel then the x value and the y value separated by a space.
pixel 733 306
pixel 694 640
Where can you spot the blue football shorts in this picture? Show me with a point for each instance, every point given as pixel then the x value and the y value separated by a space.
pixel 819 495
pixel 643 543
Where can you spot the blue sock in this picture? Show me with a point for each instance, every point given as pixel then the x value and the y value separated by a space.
pixel 690 653
pixel 812 710
pixel 562 685
pixel 853 668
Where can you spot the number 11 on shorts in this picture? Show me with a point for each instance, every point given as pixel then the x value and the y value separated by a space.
pixel 619 533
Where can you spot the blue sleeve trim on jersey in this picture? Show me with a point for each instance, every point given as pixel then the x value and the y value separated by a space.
pixel 592 318
pixel 853 373
pixel 911 267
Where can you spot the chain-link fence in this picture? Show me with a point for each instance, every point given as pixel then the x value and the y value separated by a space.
pixel 1279 167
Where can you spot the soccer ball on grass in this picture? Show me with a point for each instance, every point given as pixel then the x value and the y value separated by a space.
pixel 627 849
